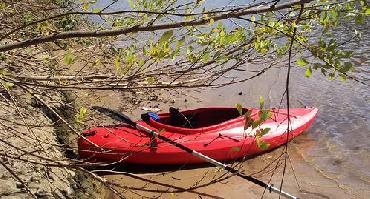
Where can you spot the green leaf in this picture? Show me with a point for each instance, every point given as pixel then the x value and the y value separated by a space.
pixel 347 66
pixel 151 80
pixel 308 72
pixel 2 5
pixel 85 6
pixel 255 124
pixel 262 132
pixel 367 11
pixel 262 102
pixel 253 18
pixel 97 62
pixel 264 115
pixel 2 56
pixel 166 36
pixel 180 42
pixel 360 19
pixel 131 3
pixel 262 144
pixel 4 72
pixel 117 63
pixel 342 77
pixel 302 62
pixel 81 115
pixel 248 119
pixel 68 58
pixel 239 108
pixel 96 10
pixel 331 76
pixel 7 85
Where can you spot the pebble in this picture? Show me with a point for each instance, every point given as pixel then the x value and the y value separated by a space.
pixel 43 194
pixel 153 97
pixel 19 185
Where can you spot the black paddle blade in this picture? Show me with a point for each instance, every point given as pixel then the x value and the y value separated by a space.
pixel 115 114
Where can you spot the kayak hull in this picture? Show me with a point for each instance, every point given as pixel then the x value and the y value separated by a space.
pixel 224 141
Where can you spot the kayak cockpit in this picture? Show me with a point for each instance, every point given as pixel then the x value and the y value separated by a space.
pixel 197 120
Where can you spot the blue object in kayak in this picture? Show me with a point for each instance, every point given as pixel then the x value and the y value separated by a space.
pixel 154 116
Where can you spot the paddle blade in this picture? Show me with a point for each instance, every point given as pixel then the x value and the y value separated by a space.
pixel 115 114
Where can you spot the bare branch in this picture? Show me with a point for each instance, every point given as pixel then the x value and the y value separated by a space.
pixel 137 28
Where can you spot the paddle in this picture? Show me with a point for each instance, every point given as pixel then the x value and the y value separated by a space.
pixel 127 120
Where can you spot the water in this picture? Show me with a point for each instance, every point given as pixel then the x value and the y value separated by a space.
pixel 333 158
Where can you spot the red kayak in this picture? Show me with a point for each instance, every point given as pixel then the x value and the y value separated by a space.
pixel 215 132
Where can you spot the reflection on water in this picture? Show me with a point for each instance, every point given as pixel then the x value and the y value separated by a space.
pixel 339 139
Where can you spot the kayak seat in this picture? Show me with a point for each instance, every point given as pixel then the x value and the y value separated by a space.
pixel 180 120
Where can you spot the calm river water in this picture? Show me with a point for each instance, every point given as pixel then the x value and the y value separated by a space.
pixel 331 160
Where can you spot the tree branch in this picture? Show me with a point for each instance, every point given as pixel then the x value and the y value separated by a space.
pixel 137 28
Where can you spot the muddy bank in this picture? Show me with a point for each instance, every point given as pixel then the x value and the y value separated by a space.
pixel 26 135
pixel 35 144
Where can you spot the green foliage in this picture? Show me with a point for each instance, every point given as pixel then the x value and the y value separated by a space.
pixel 262 102
pixel 81 115
pixel 69 58
pixel 333 57
pixel 126 59
pixel 130 57
pixel 44 27
pixel 152 5
pixel 218 37
pixel 329 19
pixel 62 3
pixel 27 18
pixel 162 49
pixel 302 62
pixel 262 144
pixel 151 80
pixel 239 108
pixel 2 5
pixel 166 36
pixel 254 123
pixel 87 3
pixel 264 35
pixel 2 56
pixel 262 45
pixel 6 85
pixel 127 21
pixel 67 23
pixel 367 11
pixel 308 72
pixel 117 63
pixel 248 119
